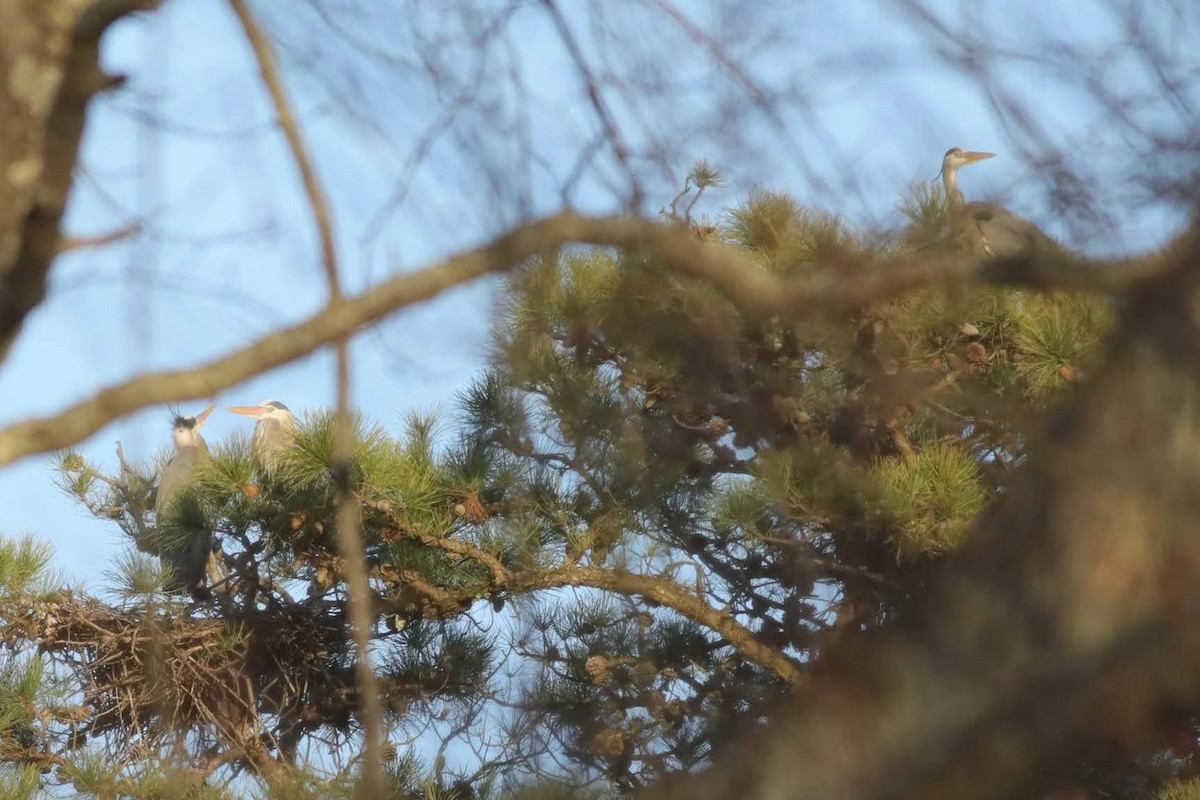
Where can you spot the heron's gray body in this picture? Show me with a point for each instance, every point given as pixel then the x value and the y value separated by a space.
pixel 178 475
pixel 1005 234
pixel 986 227
pixel 188 557
pixel 272 437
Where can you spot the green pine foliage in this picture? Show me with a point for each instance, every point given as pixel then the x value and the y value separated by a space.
pixel 932 496
pixel 19 782
pixel 925 207
pixel 25 569
pixel 1180 790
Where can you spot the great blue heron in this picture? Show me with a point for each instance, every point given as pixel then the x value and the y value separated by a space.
pixel 994 230
pixel 188 558
pixel 273 433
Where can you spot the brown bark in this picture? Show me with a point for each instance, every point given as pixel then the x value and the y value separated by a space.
pixel 48 73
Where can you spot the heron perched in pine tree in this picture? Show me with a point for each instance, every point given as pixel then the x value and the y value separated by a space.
pixel 187 557
pixel 273 432
pixel 993 229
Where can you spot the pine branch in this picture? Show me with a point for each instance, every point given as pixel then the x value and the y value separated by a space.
pixel 672 595
pixel 501 575
pixel 665 592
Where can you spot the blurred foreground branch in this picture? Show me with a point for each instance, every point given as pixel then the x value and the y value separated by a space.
pixel 835 287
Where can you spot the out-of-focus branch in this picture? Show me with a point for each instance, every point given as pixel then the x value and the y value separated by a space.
pixel 49 51
pixel 1064 626
pixel 349 537
pixel 828 290
pixel 285 345
pixel 348 521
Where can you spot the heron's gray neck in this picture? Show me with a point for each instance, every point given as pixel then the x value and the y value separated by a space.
pixel 953 195
pixel 187 441
pixel 197 446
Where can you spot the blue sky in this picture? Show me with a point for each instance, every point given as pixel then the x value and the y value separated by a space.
pixel 864 106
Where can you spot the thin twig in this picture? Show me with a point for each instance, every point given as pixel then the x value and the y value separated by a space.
pixel 592 87
pixel 69 244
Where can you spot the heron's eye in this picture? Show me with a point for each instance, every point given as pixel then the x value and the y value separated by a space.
pixel 954 151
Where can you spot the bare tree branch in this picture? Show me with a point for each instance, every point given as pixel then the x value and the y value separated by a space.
pixel 283 346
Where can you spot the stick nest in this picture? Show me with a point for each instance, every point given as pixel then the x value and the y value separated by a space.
pixel 147 675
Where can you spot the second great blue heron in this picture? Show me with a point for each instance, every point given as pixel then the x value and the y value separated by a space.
pixel 190 452
pixel 273 433
pixel 993 229
pixel 188 555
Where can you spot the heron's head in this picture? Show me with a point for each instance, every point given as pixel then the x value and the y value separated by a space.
pixel 272 410
pixel 957 157
pixel 186 430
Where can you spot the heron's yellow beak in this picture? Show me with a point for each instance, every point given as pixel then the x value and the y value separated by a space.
pixel 972 156
pixel 203 415
pixel 249 411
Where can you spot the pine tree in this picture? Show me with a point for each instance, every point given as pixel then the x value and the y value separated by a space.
pixel 648 522
pixel 798 475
